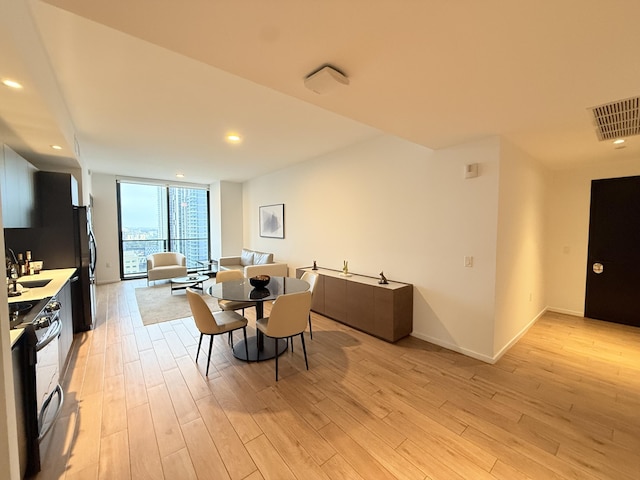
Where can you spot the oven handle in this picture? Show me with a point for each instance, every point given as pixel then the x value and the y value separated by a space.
pixel 45 406
pixel 52 333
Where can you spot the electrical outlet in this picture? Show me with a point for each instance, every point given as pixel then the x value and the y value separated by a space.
pixel 468 261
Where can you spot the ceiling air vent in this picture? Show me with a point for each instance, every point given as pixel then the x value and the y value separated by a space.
pixel 617 119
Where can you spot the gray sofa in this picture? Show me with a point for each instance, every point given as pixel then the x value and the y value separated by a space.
pixel 253 263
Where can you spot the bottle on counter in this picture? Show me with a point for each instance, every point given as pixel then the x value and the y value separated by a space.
pixel 27 263
pixel 20 265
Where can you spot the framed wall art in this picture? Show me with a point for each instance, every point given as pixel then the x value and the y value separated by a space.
pixel 272 221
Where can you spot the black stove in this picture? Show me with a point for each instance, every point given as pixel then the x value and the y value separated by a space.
pixel 25 312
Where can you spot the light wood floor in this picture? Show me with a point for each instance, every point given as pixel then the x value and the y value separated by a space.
pixel 562 403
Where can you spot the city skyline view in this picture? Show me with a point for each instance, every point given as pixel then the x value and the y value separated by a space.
pixel 156 218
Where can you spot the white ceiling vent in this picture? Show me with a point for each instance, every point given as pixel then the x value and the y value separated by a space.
pixel 617 119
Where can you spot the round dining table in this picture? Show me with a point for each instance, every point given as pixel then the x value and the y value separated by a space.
pixel 242 291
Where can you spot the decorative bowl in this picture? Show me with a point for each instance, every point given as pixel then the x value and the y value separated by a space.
pixel 259 281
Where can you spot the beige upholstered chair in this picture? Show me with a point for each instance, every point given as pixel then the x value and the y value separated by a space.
pixel 288 317
pixel 230 305
pixel 165 265
pixel 214 323
pixel 311 278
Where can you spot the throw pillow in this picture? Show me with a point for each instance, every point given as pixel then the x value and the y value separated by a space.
pixel 246 258
pixel 261 258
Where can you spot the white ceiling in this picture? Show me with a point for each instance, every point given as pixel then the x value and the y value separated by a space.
pixel 150 88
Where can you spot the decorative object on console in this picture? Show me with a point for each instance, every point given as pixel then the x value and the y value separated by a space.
pixel 345 269
pixel 315 267
pixel 272 221
pixel 383 279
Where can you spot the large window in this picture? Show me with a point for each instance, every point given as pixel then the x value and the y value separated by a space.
pixel 161 218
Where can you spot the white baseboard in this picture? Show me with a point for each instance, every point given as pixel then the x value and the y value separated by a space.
pixel 476 355
pixel 518 336
pixel 455 348
pixel 565 311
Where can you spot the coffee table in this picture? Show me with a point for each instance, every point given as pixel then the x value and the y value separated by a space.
pixel 194 281
pixel 208 267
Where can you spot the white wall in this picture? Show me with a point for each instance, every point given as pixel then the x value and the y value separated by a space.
pixel 567 217
pixel 105 227
pixel 225 219
pixel 230 220
pixel 387 204
pixel 520 290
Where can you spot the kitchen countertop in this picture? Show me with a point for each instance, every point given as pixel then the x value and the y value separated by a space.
pixel 16 333
pixel 58 278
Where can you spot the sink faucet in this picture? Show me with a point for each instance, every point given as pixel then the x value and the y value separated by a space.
pixel 12 272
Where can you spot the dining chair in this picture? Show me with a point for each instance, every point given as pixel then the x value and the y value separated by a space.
pixel 288 318
pixel 230 305
pixel 311 278
pixel 214 323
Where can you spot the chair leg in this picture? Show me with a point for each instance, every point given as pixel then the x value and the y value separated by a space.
pixel 310 329
pixel 246 344
pixel 199 343
pixel 209 359
pixel 304 349
pixel 276 342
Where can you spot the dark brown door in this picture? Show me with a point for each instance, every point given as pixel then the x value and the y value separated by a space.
pixel 613 270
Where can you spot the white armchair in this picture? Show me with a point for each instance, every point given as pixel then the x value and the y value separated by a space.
pixel 165 265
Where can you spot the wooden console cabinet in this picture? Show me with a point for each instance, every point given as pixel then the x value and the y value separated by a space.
pixel 385 311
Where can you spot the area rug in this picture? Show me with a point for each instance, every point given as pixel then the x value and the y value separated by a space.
pixel 156 304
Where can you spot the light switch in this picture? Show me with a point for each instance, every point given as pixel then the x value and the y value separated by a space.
pixel 468 261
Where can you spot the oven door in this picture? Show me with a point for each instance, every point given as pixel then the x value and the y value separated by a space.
pixel 49 393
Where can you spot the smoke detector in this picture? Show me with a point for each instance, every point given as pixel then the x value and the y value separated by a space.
pixel 617 119
pixel 325 79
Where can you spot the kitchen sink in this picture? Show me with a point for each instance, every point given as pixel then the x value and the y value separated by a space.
pixel 34 283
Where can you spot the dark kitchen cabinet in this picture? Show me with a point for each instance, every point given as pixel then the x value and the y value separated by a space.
pixel 23 357
pixel 57 194
pixel 18 191
pixel 19 363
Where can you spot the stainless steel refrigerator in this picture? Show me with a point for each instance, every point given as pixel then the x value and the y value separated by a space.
pixel 83 287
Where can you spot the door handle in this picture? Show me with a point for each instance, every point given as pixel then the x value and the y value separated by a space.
pixel 598 268
pixel 44 429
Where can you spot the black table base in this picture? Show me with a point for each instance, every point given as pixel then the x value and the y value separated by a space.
pixel 267 353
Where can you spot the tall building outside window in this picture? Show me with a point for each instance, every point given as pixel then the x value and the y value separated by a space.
pixel 157 218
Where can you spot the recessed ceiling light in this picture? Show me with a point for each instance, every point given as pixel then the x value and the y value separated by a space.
pixel 56 147
pixel 11 83
pixel 618 141
pixel 180 175
pixel 233 138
